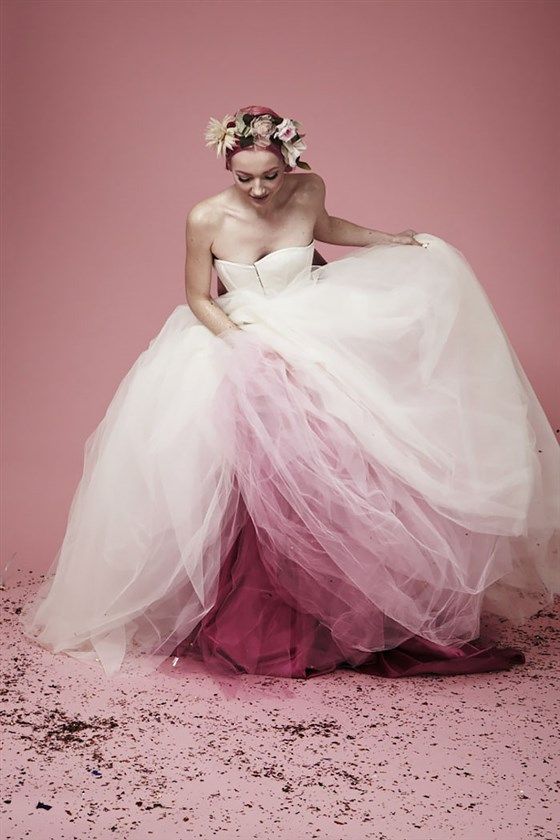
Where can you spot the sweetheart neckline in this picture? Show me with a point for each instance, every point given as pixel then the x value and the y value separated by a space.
pixel 287 248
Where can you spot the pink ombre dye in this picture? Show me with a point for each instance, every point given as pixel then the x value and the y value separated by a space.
pixel 255 628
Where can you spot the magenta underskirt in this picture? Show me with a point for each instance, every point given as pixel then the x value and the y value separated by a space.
pixel 251 629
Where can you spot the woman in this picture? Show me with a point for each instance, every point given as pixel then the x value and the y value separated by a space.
pixel 327 465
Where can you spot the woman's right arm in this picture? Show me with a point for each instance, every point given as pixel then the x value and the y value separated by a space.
pixel 198 271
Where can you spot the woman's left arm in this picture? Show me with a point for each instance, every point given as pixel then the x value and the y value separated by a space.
pixel 335 231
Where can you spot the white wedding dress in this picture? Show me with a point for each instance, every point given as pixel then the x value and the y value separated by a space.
pixel 362 464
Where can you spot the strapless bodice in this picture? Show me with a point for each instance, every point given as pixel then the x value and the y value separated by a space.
pixel 268 275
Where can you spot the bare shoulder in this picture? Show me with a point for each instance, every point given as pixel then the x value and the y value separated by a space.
pixel 311 186
pixel 314 180
pixel 204 217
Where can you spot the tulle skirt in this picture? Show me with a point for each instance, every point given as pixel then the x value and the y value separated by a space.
pixel 352 478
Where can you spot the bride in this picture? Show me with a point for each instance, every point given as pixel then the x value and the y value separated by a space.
pixel 326 465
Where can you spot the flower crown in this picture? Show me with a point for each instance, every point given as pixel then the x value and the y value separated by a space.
pixel 248 130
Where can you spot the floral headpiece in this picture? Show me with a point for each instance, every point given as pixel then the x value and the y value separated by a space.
pixel 244 130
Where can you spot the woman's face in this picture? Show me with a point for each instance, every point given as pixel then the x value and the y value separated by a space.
pixel 258 174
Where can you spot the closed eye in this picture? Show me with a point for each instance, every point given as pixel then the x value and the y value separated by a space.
pixel 268 178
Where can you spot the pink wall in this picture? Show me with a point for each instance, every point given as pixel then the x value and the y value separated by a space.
pixel 432 115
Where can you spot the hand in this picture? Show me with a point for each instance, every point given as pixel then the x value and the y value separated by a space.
pixel 250 353
pixel 229 334
pixel 406 237
pixel 246 340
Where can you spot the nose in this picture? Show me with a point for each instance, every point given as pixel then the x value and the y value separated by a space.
pixel 257 191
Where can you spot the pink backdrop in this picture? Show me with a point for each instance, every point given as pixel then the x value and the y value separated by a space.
pixel 433 115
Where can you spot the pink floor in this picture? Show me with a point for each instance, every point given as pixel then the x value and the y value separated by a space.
pixel 343 755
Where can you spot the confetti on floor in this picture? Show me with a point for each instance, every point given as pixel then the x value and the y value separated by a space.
pixel 181 754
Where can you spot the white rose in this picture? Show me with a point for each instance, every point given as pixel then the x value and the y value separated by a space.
pixel 292 151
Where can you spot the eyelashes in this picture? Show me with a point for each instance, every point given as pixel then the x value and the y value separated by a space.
pixel 268 178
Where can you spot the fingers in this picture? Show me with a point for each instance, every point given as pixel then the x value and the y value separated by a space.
pixel 410 237
pixel 406 239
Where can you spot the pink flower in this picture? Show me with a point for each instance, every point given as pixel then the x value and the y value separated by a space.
pixel 286 129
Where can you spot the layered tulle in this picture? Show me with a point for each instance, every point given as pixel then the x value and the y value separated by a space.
pixel 255 627
pixel 372 431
